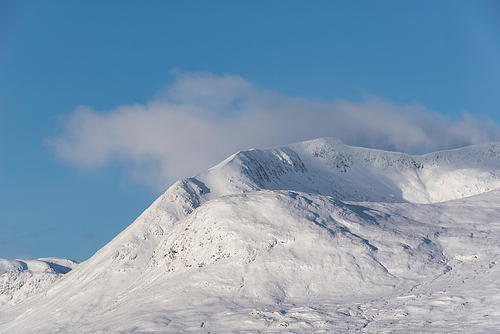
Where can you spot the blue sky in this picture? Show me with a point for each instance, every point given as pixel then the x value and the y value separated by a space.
pixel 105 104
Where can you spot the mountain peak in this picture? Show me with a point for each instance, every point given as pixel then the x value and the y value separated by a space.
pixel 293 224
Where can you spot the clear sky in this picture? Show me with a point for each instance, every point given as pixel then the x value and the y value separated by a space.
pixel 104 104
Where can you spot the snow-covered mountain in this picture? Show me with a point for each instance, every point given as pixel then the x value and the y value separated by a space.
pixel 21 279
pixel 310 237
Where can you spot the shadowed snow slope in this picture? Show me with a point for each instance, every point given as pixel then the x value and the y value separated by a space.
pixel 307 237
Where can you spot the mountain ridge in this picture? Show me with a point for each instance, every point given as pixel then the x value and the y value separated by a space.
pixel 317 170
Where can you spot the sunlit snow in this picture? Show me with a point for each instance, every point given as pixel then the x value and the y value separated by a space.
pixel 311 237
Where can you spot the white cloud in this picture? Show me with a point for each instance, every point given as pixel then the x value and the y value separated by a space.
pixel 202 118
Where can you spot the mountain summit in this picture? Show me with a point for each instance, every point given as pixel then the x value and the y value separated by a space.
pixel 309 237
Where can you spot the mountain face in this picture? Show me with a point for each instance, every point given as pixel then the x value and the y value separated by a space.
pixel 308 237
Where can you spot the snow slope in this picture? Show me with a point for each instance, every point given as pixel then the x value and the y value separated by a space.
pixel 21 279
pixel 311 236
pixel 283 261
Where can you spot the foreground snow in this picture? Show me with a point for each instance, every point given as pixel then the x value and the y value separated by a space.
pixel 313 237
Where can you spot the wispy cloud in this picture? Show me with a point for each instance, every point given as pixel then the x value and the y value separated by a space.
pixel 14 237
pixel 6 230
pixel 202 118
pixel 91 237
pixel 39 233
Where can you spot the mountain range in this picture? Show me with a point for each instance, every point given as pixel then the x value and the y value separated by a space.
pixel 311 237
